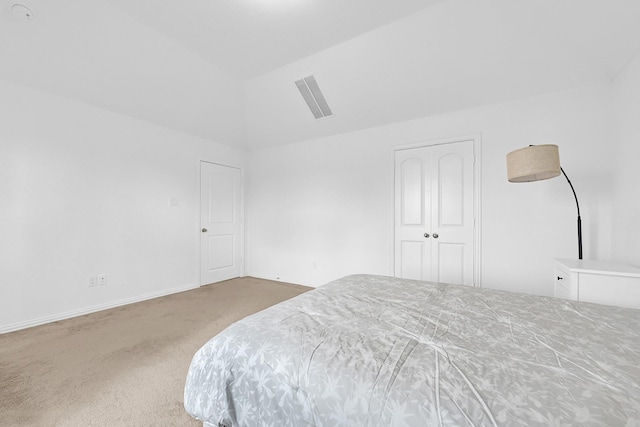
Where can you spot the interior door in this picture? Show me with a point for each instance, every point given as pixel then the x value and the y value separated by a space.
pixel 434 213
pixel 221 223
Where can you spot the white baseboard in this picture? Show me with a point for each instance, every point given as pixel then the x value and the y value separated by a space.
pixel 278 279
pixel 88 310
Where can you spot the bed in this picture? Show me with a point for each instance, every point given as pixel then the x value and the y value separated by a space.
pixel 378 351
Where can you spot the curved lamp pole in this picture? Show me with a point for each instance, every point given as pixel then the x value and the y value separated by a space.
pixel 579 219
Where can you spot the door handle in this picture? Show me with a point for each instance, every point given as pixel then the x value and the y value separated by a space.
pixel 435 235
pixel 204 230
pixel 426 235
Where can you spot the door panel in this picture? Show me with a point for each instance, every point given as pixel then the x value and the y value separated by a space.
pixel 220 251
pixel 221 223
pixel 412 256
pixel 451 190
pixel 451 262
pixel 412 188
pixel 221 187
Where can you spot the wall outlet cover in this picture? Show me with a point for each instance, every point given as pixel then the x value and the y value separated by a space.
pixel 102 279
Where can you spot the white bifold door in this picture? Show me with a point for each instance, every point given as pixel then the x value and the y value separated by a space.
pixel 434 213
pixel 221 223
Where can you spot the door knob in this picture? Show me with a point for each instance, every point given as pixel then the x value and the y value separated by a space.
pixel 426 235
pixel 435 235
pixel 204 230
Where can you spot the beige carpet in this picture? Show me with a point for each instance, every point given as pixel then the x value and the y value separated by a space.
pixel 125 366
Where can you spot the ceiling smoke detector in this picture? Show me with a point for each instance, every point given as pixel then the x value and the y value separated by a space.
pixel 22 12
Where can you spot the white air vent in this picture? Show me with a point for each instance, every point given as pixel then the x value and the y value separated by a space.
pixel 312 95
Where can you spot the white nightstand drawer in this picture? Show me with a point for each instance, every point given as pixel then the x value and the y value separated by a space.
pixel 563 288
pixel 610 290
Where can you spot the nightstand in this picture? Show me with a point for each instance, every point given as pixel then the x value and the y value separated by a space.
pixel 600 282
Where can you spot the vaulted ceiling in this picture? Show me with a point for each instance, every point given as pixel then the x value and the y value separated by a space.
pixel 224 69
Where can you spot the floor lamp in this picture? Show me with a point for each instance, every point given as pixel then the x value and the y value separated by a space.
pixel 538 162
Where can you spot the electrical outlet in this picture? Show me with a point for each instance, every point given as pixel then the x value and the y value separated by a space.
pixel 102 279
pixel 93 281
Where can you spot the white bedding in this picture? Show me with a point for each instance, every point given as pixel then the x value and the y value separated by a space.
pixel 378 351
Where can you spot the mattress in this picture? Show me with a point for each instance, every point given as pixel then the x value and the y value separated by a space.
pixel 378 351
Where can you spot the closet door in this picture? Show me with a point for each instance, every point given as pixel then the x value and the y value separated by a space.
pixel 434 213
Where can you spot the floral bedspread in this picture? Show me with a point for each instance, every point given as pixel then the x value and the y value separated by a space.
pixel 380 351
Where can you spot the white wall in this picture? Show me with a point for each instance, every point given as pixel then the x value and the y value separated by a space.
pixel 626 230
pixel 86 191
pixel 322 208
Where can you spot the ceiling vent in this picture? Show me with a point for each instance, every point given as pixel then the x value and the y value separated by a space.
pixel 314 98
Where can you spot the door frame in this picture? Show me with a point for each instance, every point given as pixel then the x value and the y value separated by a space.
pixel 198 231
pixel 477 198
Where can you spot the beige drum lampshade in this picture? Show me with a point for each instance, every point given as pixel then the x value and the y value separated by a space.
pixel 533 163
